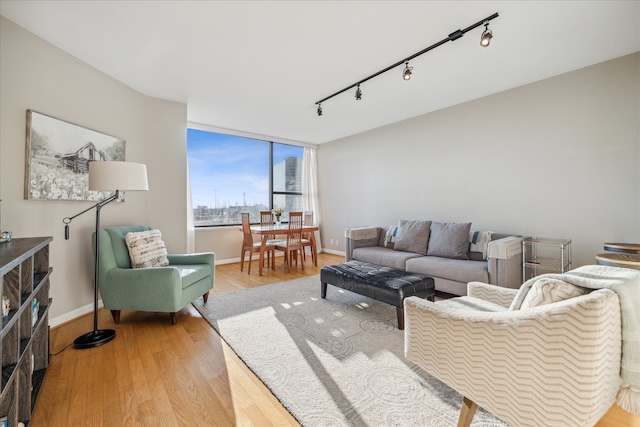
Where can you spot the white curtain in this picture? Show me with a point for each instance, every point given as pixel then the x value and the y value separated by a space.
pixel 191 230
pixel 310 188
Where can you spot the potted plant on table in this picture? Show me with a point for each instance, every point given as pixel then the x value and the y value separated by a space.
pixel 277 213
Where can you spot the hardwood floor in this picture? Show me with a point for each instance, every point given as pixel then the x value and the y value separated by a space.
pixel 155 374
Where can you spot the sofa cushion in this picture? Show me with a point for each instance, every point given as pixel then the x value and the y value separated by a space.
pixel 547 291
pixel 147 249
pixel 383 256
pixel 412 236
pixel 449 240
pixel 454 269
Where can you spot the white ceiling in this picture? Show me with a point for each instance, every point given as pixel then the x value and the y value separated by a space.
pixel 260 66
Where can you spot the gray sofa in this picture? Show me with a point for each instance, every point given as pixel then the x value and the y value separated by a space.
pixel 448 252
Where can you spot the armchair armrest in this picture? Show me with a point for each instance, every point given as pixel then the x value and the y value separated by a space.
pixel 492 293
pixel 185 259
pixel 556 364
pixel 504 258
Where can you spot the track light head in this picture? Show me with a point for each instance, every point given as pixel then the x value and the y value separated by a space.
pixel 406 73
pixel 319 109
pixel 486 36
pixel 358 93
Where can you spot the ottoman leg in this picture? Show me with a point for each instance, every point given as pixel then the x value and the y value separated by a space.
pixel 323 290
pixel 400 313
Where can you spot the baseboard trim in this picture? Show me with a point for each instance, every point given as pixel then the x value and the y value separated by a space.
pixel 72 315
pixel 279 255
pixel 333 252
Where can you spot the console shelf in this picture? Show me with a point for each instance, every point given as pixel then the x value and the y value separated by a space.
pixel 544 255
pixel 24 339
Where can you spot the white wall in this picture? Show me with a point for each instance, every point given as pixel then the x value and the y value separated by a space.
pixel 35 75
pixel 556 158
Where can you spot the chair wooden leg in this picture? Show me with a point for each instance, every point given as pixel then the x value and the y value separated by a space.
pixel 205 297
pixel 314 255
pixel 116 316
pixel 273 260
pixel 242 259
pixel 174 318
pixel 467 411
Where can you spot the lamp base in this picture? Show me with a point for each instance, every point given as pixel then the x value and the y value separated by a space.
pixel 94 338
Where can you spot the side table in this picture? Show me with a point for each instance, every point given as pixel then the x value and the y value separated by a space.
pixel 619 259
pixel 627 248
pixel 545 255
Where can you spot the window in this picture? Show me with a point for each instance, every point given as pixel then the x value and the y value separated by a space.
pixel 231 174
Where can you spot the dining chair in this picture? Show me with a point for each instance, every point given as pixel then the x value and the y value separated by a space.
pixel 293 244
pixel 307 239
pixel 249 245
pixel 267 218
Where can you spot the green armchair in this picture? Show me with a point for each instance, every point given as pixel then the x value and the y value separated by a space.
pixel 159 289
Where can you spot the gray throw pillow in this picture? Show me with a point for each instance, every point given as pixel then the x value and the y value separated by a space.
pixel 412 236
pixel 449 240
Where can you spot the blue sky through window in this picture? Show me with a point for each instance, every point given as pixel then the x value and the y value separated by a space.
pixel 226 170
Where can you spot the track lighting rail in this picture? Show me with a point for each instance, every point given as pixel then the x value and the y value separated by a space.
pixel 451 37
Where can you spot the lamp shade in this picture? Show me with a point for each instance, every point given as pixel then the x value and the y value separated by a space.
pixel 123 176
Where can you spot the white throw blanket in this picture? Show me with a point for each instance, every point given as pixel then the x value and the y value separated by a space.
pixel 626 283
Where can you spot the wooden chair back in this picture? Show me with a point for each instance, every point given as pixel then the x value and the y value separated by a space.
pixel 246 230
pixel 266 218
pixel 294 238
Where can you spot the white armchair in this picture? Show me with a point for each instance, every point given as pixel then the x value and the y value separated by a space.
pixel 553 365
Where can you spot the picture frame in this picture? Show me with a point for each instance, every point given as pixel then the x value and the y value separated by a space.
pixel 57 158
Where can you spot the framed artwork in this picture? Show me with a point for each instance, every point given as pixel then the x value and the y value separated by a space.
pixel 58 155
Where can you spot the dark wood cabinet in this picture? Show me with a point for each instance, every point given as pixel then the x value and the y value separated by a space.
pixel 24 339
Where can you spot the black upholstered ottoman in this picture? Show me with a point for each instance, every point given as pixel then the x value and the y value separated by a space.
pixel 384 284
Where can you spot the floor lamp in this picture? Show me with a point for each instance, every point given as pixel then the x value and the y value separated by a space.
pixel 106 176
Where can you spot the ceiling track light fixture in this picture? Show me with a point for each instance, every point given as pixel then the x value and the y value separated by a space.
pixel 358 94
pixel 406 74
pixel 486 36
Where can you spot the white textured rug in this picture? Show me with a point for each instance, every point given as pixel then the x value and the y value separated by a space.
pixel 332 362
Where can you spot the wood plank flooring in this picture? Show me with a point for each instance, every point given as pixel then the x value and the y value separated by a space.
pixel 155 374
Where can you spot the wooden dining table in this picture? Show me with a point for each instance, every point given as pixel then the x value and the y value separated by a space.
pixel 281 230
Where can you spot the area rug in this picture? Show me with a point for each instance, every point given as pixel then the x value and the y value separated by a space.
pixel 332 362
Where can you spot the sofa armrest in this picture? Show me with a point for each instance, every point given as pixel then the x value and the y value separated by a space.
pixel 505 248
pixel 556 364
pixel 492 293
pixel 360 237
pixel 504 258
